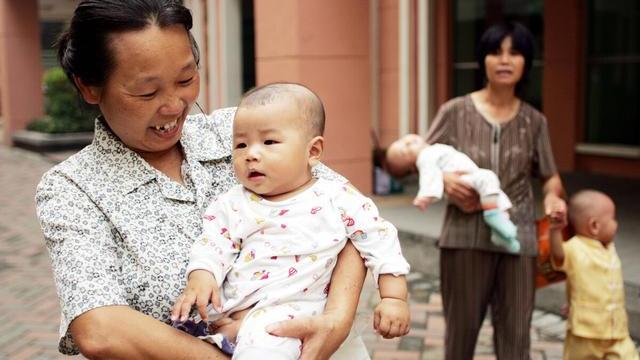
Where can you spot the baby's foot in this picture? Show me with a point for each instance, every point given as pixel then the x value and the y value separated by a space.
pixel 511 244
pixel 499 221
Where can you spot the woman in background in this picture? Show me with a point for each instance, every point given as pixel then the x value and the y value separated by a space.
pixel 502 133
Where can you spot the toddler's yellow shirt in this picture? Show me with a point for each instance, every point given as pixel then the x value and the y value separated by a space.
pixel 595 289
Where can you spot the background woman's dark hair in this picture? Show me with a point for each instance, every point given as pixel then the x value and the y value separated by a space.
pixel 521 41
pixel 84 49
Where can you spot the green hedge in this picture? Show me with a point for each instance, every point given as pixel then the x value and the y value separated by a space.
pixel 65 111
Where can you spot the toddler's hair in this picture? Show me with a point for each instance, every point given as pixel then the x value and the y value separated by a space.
pixel 585 204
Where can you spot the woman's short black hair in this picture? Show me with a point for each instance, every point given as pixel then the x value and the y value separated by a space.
pixel 521 40
pixel 84 49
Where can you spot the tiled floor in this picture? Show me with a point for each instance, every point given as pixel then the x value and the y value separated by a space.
pixel 426 338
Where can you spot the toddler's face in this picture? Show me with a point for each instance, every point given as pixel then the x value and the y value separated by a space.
pixel 403 153
pixel 271 149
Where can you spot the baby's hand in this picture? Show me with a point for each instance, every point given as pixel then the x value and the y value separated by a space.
pixel 422 202
pixel 201 289
pixel 391 318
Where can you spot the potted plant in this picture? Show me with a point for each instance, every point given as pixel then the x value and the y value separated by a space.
pixel 68 122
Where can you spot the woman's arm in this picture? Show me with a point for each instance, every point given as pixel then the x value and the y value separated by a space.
pixel 119 332
pixel 460 193
pixel 86 269
pixel 322 335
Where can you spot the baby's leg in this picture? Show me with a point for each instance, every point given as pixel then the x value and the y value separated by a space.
pixel 495 203
pixel 229 326
pixel 487 184
pixel 254 342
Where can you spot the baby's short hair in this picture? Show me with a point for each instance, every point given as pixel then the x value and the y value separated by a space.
pixel 308 102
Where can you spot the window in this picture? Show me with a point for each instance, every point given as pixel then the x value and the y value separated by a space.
pixel 613 72
pixel 49 32
pixel 471 18
pixel 248 46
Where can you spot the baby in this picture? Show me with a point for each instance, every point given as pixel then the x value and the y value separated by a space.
pixel 597 324
pixel 272 242
pixel 411 152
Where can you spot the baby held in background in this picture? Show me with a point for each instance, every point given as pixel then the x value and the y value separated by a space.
pixel 597 326
pixel 412 153
pixel 269 245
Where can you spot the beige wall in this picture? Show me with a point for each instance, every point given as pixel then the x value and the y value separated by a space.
pixel 324 45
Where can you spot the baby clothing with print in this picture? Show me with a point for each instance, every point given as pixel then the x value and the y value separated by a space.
pixel 278 257
pixel 437 159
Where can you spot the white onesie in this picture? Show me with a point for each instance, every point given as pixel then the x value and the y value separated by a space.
pixel 436 159
pixel 278 256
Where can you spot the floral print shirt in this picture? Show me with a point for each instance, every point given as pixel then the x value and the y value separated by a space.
pixel 119 232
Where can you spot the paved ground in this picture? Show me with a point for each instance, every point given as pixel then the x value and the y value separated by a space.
pixel 29 307
pixel 29 312
pixel 426 338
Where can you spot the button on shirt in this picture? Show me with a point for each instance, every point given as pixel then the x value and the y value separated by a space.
pixel 595 289
pixel 119 231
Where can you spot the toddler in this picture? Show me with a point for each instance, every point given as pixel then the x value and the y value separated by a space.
pixel 597 324
pixel 272 242
pixel 411 152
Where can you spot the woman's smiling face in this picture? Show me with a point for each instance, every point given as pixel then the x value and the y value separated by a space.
pixel 148 94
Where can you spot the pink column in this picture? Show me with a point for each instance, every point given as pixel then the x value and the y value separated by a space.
pixel 563 71
pixel 388 71
pixel 325 46
pixel 20 66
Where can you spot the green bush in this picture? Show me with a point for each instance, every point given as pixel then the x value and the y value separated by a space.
pixel 65 111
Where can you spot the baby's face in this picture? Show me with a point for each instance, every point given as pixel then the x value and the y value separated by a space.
pixel 403 153
pixel 271 149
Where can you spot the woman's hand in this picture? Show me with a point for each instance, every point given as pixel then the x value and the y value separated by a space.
pixel 460 193
pixel 318 334
pixel 323 334
pixel 555 208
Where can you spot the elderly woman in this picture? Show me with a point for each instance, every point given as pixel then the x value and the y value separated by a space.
pixel 120 216
pixel 500 132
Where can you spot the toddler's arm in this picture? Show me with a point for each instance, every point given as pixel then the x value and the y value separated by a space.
pixel 391 317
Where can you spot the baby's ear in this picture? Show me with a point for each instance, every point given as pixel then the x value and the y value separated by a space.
pixel 315 148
